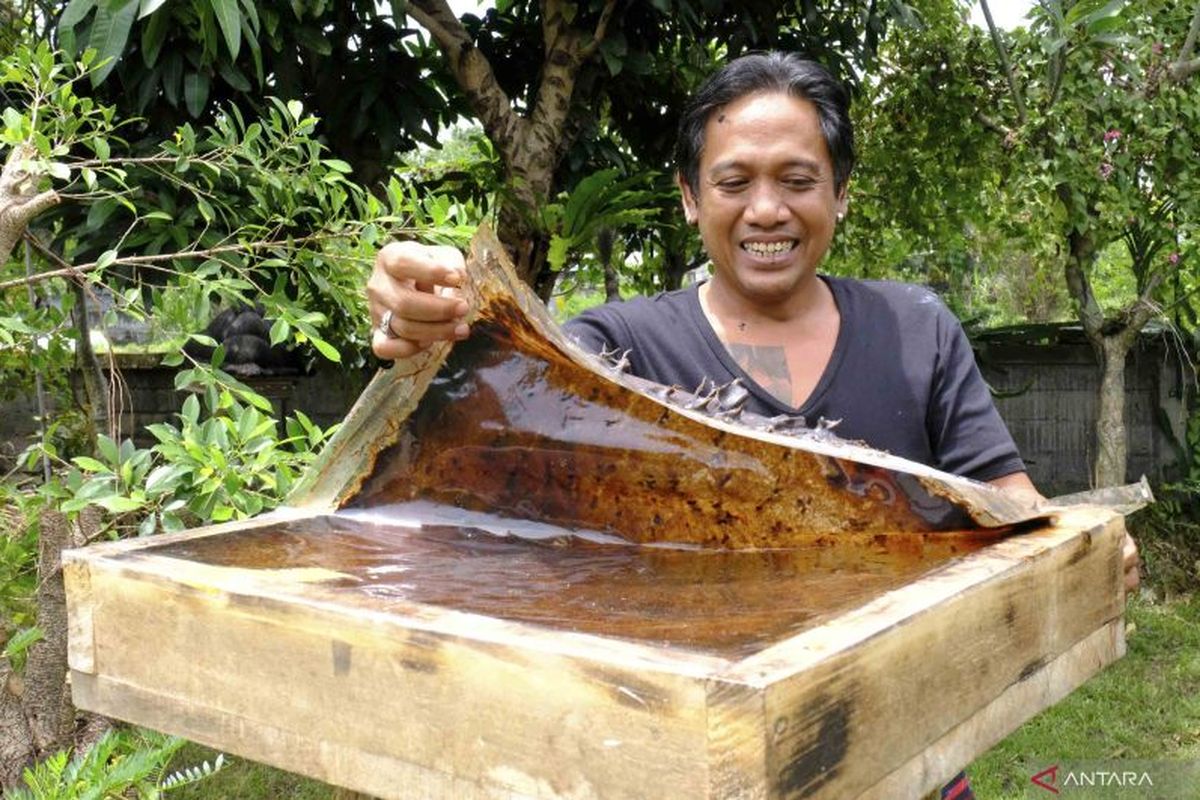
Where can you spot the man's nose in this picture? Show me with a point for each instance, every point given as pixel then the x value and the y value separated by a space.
pixel 766 206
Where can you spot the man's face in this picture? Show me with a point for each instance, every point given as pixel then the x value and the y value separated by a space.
pixel 766 206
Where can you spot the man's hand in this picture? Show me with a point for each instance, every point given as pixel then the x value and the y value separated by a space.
pixel 1129 552
pixel 417 283
pixel 1019 485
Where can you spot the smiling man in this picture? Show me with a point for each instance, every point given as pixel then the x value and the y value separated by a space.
pixel 764 156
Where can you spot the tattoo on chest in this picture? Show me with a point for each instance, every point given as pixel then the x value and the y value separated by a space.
pixel 767 366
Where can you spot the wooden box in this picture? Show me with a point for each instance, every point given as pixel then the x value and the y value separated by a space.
pixel 783 614
pixel 885 694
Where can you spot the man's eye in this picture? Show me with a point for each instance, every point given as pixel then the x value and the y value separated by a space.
pixel 732 184
pixel 799 183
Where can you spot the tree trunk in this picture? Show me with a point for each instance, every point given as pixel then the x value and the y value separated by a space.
pixel 531 181
pixel 531 145
pixel 675 266
pixel 37 717
pixel 95 387
pixel 605 242
pixel 1108 468
pixel 16 743
pixel 19 199
pixel 47 701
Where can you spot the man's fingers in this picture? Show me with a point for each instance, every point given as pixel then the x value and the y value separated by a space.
pixel 419 336
pixel 423 265
pixel 387 349
pixel 1129 552
pixel 422 307
pixel 418 285
pixel 428 331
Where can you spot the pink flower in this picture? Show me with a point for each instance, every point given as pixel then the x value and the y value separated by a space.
pixel 1174 259
pixel 1157 48
pixel 1111 135
pixel 1106 170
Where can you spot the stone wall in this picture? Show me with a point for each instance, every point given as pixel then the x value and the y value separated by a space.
pixel 148 395
pixel 324 396
pixel 1046 391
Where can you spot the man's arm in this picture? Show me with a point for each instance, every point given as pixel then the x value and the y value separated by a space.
pixel 1020 486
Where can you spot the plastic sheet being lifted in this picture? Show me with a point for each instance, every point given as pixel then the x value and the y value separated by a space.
pixel 519 422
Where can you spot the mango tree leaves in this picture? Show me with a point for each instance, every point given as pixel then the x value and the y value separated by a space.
pixel 110 34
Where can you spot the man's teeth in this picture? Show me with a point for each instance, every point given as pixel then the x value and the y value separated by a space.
pixel 768 248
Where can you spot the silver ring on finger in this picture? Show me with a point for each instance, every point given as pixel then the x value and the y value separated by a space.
pixel 385 325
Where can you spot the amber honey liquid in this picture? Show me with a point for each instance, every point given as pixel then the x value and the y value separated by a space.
pixel 728 603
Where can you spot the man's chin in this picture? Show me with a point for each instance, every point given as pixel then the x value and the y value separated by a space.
pixel 770 286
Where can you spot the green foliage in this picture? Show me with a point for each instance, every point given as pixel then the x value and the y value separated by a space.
pixel 249 211
pixel 1108 140
pixel 384 88
pixel 962 189
pixel 237 211
pixel 357 64
pixel 441 218
pixel 602 200
pixel 464 167
pixel 122 764
pixel 227 463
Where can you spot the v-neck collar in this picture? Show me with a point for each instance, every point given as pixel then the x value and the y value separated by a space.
pixel 722 354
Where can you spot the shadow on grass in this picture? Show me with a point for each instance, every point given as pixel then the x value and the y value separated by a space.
pixel 244 780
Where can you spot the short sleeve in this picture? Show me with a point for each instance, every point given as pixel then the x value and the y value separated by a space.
pixel 966 432
pixel 596 331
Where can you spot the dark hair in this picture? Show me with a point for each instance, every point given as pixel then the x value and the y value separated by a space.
pixel 769 72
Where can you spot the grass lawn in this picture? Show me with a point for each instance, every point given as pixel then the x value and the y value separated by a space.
pixel 1145 706
pixel 244 780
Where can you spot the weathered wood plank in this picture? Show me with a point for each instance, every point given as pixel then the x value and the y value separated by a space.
pixel 864 710
pixel 929 769
pixel 331 761
pixel 483 711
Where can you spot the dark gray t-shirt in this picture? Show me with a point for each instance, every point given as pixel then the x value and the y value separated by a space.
pixel 902 377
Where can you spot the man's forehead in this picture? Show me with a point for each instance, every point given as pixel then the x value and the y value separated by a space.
pixel 795 162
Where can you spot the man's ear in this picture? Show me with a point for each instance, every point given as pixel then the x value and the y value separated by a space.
pixel 843 201
pixel 691 211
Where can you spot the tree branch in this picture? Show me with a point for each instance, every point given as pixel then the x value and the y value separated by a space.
pixel 550 22
pixel 47 254
pixel 1142 309
pixel 992 125
pixel 76 271
pixel 1080 288
pixel 121 162
pixel 1080 257
pixel 1180 300
pixel 601 30
pixel 473 73
pixel 1002 53
pixel 565 52
pixel 19 200
pixel 1189 44
pixel 1182 70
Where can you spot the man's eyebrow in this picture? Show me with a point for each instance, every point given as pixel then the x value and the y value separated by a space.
pixel 735 163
